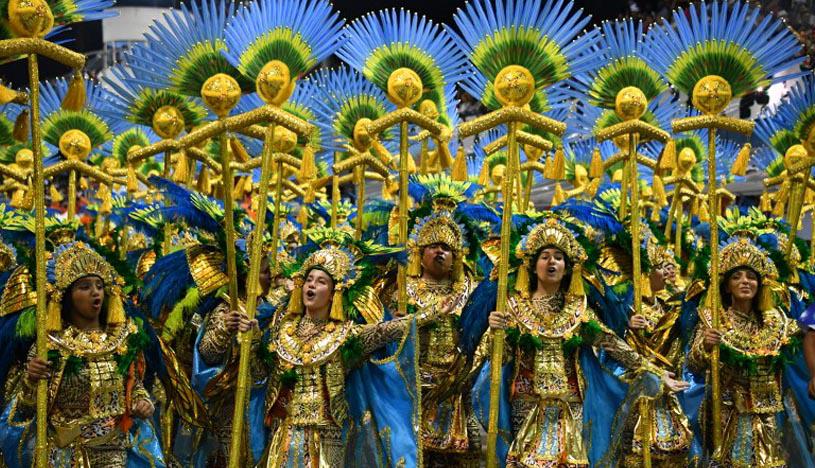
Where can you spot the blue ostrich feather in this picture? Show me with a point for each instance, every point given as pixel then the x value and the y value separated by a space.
pixel 591 214
pixel 478 212
pixel 166 283
pixel 771 43
pixel 314 22
pixel 196 210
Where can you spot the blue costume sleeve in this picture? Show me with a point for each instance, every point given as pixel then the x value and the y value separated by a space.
pixel 473 323
pixel 383 401
pixel 799 414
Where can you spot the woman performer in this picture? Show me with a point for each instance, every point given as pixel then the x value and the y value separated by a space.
pixel 548 322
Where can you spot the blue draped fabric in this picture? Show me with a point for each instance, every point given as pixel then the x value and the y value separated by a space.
pixel 383 401
pixel 17 442
pixel 480 397
pixel 691 402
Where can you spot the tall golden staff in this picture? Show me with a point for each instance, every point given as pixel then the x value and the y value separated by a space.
pixel 514 88
pixel 31 21
pixel 631 104
pixel 711 95
pixel 713 53
pixel 405 90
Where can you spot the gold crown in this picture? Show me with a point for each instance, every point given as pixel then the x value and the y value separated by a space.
pixel 334 261
pixel 659 254
pixel 551 233
pixel 78 261
pixel 440 229
pixel 743 253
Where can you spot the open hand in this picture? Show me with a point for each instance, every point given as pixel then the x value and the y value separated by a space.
pixel 637 322
pixel 673 384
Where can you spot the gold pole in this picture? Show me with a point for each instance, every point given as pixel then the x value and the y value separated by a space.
pixel 245 339
pixel 229 220
pixel 335 192
pixel 713 291
pixel 403 216
pixel 624 188
pixel 278 194
pixel 637 279
pixel 71 194
pixel 672 212
pixel 501 305
pixel 41 448
pixel 678 240
pixel 165 248
pixel 798 188
pixel 360 176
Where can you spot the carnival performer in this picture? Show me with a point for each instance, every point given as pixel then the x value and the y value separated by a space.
pixel 443 244
pixel 756 340
pixel 654 334
pixel 314 391
pixel 550 333
pixel 94 370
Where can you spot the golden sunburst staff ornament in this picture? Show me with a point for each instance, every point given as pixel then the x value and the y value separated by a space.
pixel 791 132
pixel 715 53
pixel 514 88
pixel 30 21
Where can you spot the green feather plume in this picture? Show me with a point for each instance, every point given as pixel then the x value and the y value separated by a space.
pixel 150 100
pixel 624 72
pixel 90 124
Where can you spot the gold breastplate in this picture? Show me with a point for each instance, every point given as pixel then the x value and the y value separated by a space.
pixel 439 340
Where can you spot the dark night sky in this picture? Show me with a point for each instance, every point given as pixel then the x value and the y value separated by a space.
pixel 87 37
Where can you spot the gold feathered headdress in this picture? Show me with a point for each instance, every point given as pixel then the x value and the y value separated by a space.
pixel 71 262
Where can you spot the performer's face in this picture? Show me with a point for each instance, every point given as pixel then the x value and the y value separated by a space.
pixel 657 279
pixel 437 260
pixel 87 297
pixel 317 290
pixel 743 285
pixel 551 266
pixel 669 271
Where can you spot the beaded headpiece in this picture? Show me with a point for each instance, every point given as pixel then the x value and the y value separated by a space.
pixel 742 252
pixel 71 262
pixel 338 262
pixel 349 264
pixel 550 233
